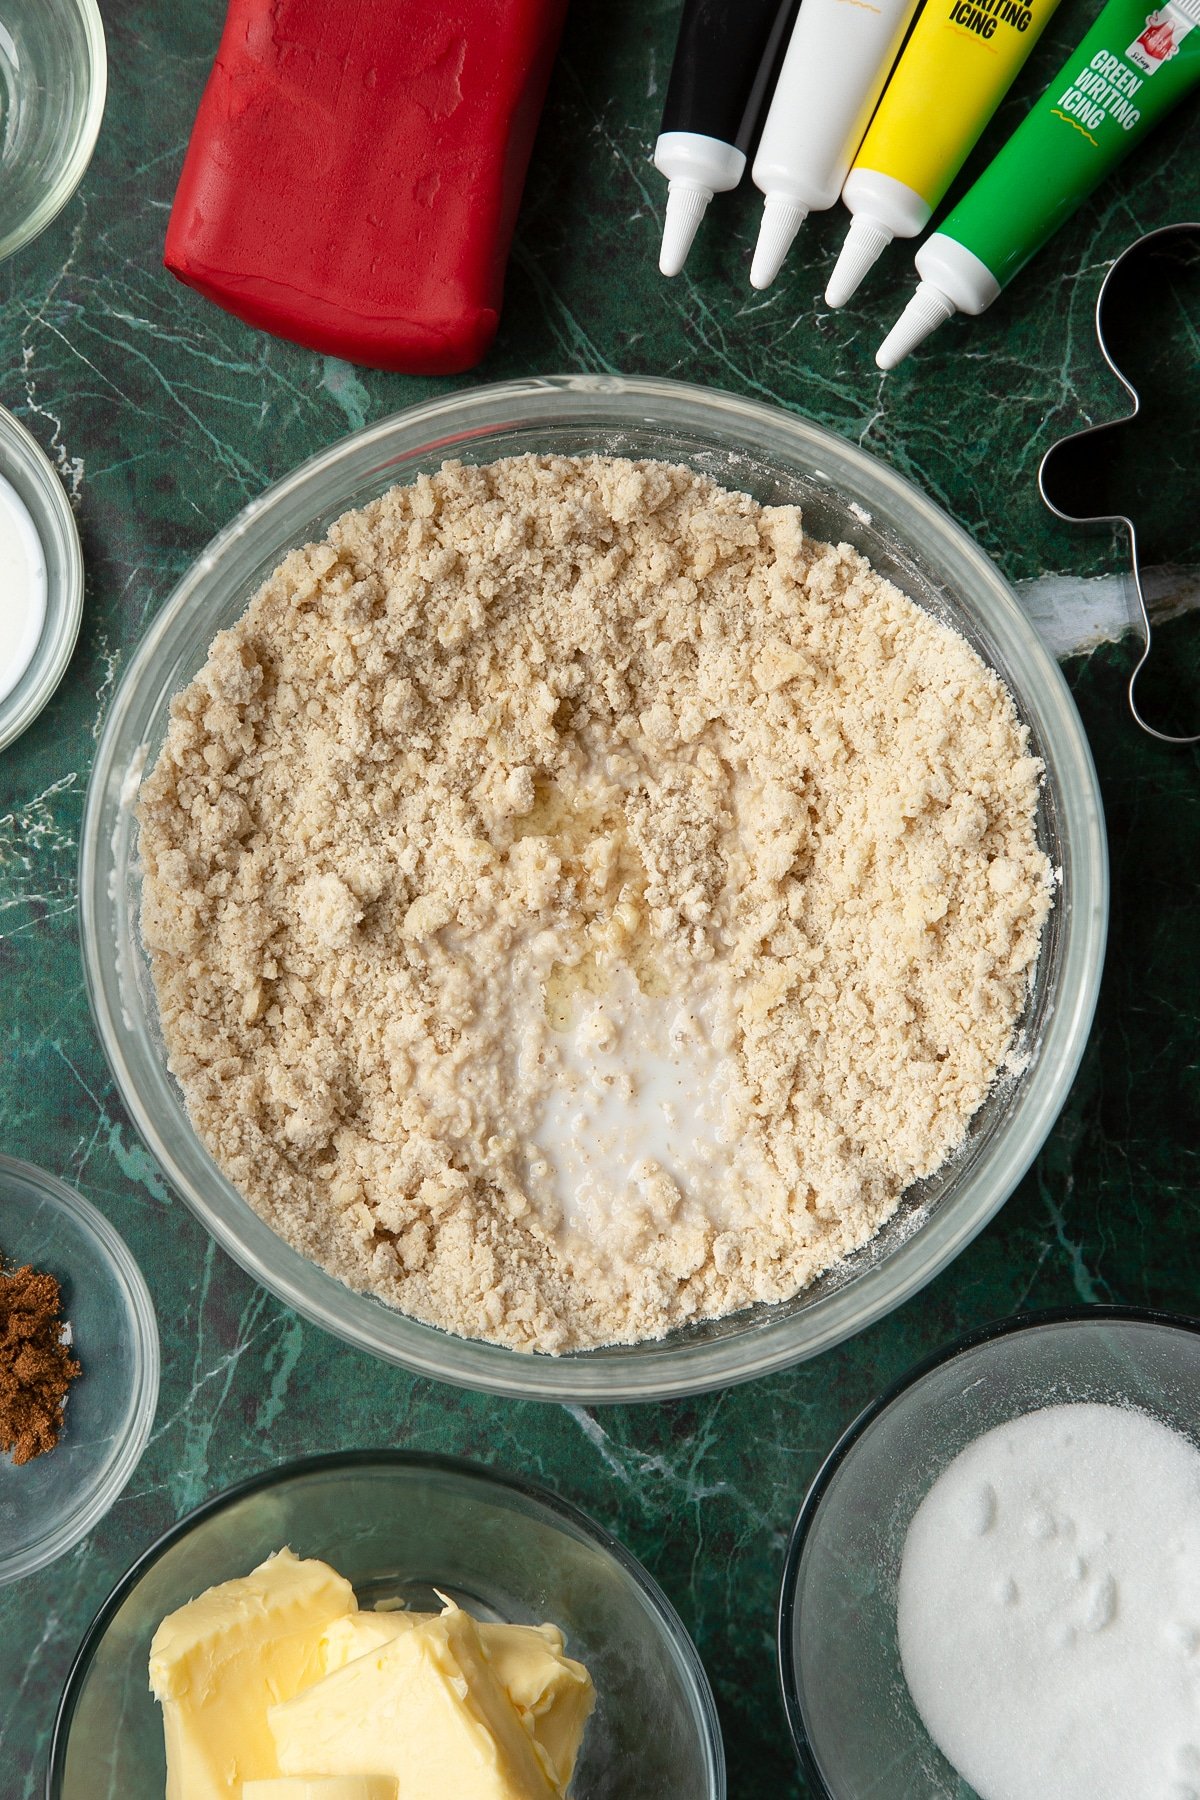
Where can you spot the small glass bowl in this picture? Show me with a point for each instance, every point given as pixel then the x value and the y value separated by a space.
pixel 400 1525
pixel 48 1504
pixel 24 466
pixel 53 82
pixel 847 496
pixel 853 1722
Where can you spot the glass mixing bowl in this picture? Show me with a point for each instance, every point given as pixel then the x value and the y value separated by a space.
pixel 847 496
pixel 400 1526
pixel 53 80
pixel 857 1733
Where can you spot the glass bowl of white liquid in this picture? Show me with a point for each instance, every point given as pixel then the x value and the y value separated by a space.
pixel 41 579
pixel 1037 1545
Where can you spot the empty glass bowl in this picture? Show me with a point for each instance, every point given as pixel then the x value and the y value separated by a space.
pixel 856 1730
pixel 49 1503
pixel 847 496
pixel 399 1526
pixel 53 80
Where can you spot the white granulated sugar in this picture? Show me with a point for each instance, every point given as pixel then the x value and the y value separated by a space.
pixel 1049 1609
pixel 579 903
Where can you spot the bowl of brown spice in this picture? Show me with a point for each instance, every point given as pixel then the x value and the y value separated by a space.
pixel 593 889
pixel 78 1367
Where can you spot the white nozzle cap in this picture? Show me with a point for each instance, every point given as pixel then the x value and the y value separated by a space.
pixel 686 206
pixel 865 244
pixel 928 308
pixel 781 221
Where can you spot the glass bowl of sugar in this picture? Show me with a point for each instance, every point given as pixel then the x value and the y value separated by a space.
pixel 993 1586
pixel 847 497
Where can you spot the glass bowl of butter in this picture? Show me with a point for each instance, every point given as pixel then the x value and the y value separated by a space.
pixel 846 496
pixel 384 1613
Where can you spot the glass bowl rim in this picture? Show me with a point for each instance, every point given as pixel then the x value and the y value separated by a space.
pixel 113 1253
pixel 974 1339
pixel 64 605
pixel 87 131
pixel 670 1367
pixel 561 1510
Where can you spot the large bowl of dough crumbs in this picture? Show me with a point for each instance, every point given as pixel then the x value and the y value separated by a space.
pixel 593 889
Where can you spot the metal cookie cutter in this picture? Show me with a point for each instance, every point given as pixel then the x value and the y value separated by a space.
pixel 1143 471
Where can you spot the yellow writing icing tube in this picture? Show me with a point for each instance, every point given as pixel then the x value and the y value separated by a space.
pixel 961 60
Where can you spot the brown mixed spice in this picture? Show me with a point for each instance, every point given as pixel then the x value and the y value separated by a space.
pixel 36 1366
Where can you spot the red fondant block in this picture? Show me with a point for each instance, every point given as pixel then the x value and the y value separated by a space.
pixel 355 169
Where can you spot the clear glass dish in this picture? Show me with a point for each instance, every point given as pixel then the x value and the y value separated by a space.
pixel 53 81
pixel 25 467
pixel 856 1731
pixel 846 495
pixel 399 1525
pixel 48 1504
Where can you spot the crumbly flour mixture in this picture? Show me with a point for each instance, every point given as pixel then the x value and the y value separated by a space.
pixel 580 904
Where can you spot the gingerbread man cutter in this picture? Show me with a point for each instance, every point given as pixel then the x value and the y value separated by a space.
pixel 1143 470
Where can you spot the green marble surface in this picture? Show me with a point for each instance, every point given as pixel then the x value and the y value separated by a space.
pixel 163 416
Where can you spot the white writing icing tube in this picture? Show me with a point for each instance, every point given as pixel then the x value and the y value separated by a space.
pixel 838 59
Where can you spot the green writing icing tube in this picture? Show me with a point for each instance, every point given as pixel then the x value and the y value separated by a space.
pixel 1133 66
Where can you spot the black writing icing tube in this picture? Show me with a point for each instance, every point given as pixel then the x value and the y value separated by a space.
pixel 725 57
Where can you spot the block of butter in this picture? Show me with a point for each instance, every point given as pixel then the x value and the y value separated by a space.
pixel 428 1708
pixel 219 1662
pixel 551 1692
pixel 321 1787
pixel 400 1705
